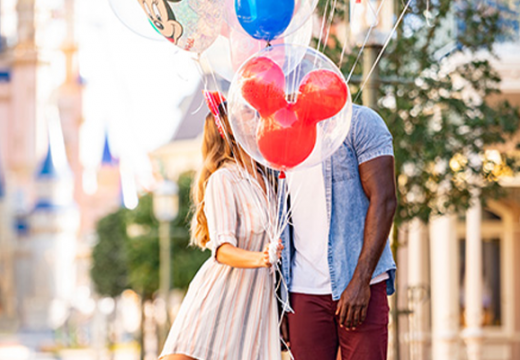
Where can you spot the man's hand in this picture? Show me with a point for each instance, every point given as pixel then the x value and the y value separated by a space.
pixel 284 332
pixel 353 304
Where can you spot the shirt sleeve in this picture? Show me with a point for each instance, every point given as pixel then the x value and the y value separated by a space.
pixel 371 137
pixel 220 210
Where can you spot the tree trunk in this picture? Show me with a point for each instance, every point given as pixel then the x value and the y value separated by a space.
pixel 111 336
pixel 141 329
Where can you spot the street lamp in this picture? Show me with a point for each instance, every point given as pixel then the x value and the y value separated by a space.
pixel 165 208
pixel 372 18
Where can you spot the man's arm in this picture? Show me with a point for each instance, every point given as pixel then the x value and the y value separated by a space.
pixel 378 181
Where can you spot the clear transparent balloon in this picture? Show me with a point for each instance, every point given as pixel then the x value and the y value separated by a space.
pixel 296 63
pixel 192 25
pixel 303 10
pixel 131 15
pixel 232 48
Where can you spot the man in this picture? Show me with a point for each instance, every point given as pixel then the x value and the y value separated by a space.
pixel 337 260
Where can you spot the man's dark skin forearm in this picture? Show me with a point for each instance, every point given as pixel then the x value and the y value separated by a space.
pixel 378 181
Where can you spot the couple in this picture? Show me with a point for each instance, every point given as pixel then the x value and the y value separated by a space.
pixel 336 259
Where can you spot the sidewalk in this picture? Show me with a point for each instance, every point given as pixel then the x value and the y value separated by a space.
pixel 22 347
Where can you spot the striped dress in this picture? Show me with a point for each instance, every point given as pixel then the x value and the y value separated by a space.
pixel 230 313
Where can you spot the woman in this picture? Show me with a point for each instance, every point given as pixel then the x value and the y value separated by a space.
pixel 230 311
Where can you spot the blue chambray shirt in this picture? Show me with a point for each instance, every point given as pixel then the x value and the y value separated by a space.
pixel 347 204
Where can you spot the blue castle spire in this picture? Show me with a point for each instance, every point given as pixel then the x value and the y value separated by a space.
pixel 48 167
pixel 108 159
pixel 55 164
pixel 54 174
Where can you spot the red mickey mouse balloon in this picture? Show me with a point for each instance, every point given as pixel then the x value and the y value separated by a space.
pixel 283 100
pixel 284 140
pixel 322 95
pixel 263 86
pixel 287 132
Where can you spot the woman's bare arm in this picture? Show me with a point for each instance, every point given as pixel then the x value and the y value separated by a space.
pixel 233 256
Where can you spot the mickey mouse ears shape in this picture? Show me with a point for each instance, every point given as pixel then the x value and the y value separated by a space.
pixel 289 112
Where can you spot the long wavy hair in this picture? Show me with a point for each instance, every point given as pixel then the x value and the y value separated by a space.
pixel 216 152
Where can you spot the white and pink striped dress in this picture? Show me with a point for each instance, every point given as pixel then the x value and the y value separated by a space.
pixel 230 313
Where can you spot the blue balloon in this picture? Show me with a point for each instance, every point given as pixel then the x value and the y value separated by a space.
pixel 264 19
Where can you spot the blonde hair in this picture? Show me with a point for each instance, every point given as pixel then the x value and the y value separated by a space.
pixel 216 152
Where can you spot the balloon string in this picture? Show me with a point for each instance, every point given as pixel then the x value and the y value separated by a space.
pixel 322 26
pixel 389 37
pixel 331 18
pixel 340 64
pixel 367 36
pixel 204 81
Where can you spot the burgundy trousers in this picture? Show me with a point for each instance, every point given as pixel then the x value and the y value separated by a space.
pixel 315 334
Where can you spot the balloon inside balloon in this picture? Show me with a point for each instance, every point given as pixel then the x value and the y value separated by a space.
pixel 232 48
pixel 289 119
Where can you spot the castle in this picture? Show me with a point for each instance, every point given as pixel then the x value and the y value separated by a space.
pixel 47 220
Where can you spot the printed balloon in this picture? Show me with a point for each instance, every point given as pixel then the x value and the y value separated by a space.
pixel 192 25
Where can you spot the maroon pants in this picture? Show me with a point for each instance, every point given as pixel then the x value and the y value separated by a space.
pixel 315 334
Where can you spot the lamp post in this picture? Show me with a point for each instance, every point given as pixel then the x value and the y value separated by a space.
pixel 375 17
pixel 165 208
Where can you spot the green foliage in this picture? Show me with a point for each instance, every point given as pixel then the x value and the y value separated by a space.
pixel 127 254
pixel 436 93
pixel 186 259
pixel 109 271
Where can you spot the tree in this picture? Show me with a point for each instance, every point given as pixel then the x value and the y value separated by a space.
pixel 437 87
pixel 109 271
pixel 122 260
pixel 127 253
pixel 435 97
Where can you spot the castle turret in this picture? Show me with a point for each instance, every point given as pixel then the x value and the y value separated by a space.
pixel 51 249
pixel 107 196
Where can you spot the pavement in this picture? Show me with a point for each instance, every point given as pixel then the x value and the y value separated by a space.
pixel 27 346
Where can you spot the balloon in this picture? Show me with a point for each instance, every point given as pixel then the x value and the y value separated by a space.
pixel 263 85
pixel 283 140
pixel 265 19
pixel 232 48
pixel 193 25
pixel 131 15
pixel 322 94
pixel 289 117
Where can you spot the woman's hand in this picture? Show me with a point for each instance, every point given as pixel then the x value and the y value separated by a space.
pixel 264 255
pixel 233 256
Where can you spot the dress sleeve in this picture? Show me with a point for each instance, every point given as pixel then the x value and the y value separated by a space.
pixel 220 210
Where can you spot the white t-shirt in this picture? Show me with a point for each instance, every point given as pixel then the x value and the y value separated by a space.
pixel 310 268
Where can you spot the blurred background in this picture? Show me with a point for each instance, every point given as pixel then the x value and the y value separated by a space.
pixel 100 133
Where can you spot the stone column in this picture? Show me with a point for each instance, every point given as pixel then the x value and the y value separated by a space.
pixel 444 255
pixel 472 334
pixel 418 289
